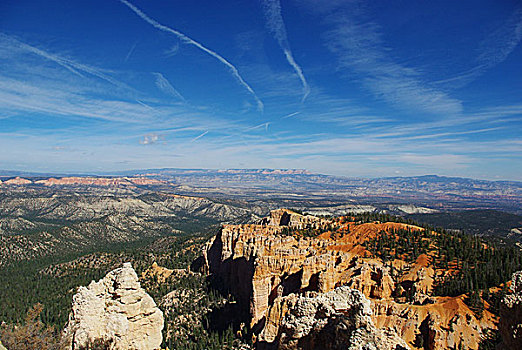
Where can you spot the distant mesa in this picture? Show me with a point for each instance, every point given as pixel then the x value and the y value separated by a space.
pixel 18 181
pixel 88 181
pixel 100 181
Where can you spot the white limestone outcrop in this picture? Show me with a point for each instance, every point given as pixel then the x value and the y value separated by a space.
pixel 117 310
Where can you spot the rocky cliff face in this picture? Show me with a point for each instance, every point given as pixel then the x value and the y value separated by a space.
pixel 511 315
pixel 285 217
pixel 338 319
pixel 116 310
pixel 269 269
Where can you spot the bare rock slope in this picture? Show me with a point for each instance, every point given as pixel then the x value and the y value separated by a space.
pixel 115 310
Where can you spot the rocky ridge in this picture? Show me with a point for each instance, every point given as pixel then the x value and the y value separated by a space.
pixel 115 310
pixel 42 221
pixel 265 267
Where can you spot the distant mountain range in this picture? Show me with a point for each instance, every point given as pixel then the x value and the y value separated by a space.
pixel 300 188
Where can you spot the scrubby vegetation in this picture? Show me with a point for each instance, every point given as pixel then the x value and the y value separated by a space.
pixel 403 244
pixel 43 290
pixel 474 263
pixel 480 222
pixel 33 334
pixel 308 231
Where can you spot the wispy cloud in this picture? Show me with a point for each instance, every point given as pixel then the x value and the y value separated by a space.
pixel 20 97
pixel 32 91
pixel 442 161
pixel 365 57
pixel 187 40
pixel 500 43
pixel 9 42
pixel 164 85
pixel 172 51
pixel 276 25
pixel 494 49
pixel 359 47
pixel 70 65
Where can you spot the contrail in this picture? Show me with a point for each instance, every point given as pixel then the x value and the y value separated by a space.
pixel 198 137
pixel 164 85
pixel 190 41
pixel 130 52
pixel 265 125
pixel 276 25
pixel 290 115
pixel 145 105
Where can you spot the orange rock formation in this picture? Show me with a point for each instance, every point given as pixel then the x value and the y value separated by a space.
pixel 265 262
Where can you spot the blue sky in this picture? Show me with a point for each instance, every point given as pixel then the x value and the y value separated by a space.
pixel 356 88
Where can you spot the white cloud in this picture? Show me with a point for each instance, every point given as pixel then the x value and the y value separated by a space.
pixel 150 139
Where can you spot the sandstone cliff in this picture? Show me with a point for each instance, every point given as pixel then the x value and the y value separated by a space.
pixel 116 310
pixel 511 315
pixel 266 266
